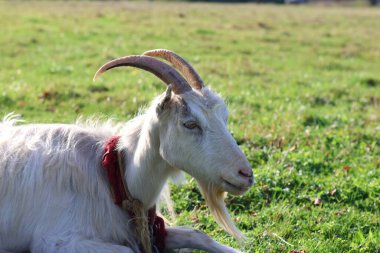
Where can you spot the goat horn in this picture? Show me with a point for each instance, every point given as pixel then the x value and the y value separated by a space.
pixel 160 69
pixel 179 63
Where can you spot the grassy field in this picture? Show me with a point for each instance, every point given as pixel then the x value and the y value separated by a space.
pixel 302 84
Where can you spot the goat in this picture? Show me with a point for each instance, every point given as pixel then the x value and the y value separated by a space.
pixel 54 192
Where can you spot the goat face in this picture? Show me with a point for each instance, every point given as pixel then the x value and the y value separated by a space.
pixel 194 138
pixel 193 135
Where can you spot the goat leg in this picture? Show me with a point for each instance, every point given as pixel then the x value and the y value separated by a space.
pixel 179 238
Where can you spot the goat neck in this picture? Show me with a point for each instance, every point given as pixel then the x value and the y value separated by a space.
pixel 145 170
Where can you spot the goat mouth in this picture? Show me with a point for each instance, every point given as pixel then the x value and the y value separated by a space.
pixel 235 188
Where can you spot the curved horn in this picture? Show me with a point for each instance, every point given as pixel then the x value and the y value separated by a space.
pixel 179 63
pixel 162 70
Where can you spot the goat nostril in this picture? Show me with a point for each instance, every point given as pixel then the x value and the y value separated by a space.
pixel 245 173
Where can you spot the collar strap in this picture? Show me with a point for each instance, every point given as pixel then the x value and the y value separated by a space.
pixel 110 163
pixel 121 195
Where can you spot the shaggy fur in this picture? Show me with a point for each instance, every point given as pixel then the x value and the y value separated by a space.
pixel 54 195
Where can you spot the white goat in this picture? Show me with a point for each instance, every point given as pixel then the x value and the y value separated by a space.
pixel 55 195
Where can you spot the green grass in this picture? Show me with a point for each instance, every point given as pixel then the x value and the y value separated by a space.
pixel 302 84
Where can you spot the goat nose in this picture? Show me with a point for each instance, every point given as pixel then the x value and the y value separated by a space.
pixel 245 172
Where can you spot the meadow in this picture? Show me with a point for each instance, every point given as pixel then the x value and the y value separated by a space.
pixel 302 85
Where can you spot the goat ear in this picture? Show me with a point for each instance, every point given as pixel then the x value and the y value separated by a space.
pixel 165 101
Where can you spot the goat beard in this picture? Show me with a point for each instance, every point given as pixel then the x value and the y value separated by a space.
pixel 214 197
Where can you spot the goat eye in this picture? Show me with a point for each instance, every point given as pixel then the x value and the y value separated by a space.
pixel 191 125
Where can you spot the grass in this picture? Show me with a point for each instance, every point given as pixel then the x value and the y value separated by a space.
pixel 302 84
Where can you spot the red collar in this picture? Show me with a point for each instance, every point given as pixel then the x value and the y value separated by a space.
pixel 110 163
pixel 115 175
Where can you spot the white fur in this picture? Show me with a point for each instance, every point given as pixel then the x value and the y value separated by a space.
pixel 54 195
